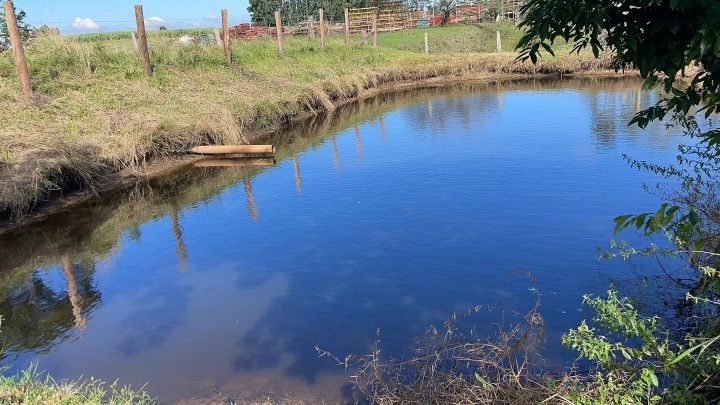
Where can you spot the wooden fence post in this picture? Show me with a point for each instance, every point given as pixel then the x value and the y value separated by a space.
pixel 18 51
pixel 374 30
pixel 226 35
pixel 142 39
pixel 347 26
pixel 499 42
pixel 427 48
pixel 311 27
pixel 322 29
pixel 218 40
pixel 279 31
pixel 134 40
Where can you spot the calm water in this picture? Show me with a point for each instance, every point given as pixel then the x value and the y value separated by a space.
pixel 391 214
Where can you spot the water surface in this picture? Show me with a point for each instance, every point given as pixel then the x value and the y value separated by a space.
pixel 390 214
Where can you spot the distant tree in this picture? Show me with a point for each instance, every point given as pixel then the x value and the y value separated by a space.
pixel 492 9
pixel 262 11
pixel 295 11
pixel 25 29
pixel 445 8
pixel 163 28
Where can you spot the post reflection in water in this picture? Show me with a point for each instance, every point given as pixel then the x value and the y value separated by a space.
pixel 414 231
pixel 383 131
pixel 358 143
pixel 336 154
pixel 298 174
pixel 75 299
pixel 252 208
pixel 181 250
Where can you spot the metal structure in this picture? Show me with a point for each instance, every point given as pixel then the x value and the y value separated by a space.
pixel 392 15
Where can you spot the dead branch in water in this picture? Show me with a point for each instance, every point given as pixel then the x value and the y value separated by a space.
pixel 448 366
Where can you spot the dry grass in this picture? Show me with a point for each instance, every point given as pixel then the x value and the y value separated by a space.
pixel 454 365
pixel 97 115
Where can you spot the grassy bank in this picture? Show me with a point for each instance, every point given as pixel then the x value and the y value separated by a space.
pixel 97 115
pixel 30 387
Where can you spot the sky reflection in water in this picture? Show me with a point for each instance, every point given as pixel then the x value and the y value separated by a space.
pixel 392 214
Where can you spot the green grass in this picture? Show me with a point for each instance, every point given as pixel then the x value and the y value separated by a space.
pixel 455 38
pixel 174 33
pixel 96 113
pixel 30 387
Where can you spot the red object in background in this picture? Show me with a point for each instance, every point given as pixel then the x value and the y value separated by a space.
pixel 436 21
pixel 246 31
pixel 463 12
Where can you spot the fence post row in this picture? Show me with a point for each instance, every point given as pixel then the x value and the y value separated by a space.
pixel 279 30
pixel 18 51
pixel 226 35
pixel 347 26
pixel 142 39
pixel 322 29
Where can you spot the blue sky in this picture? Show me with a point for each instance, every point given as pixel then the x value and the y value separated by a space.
pixel 77 16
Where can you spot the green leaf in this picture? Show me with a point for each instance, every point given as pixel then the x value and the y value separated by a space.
pixel 486 385
pixel 620 223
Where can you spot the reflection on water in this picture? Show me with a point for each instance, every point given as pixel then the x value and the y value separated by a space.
pixel 390 213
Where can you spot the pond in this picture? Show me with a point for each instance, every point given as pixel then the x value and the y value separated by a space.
pixel 221 278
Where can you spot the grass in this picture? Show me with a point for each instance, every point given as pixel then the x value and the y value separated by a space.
pixel 30 387
pixel 97 115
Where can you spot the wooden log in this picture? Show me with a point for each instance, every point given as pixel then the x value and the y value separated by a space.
pixel 142 40
pixel 18 51
pixel 233 149
pixel 279 31
pixel 235 162
pixel 226 35
pixel 322 29
pixel 311 27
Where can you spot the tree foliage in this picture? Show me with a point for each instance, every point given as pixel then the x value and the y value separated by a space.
pixel 445 8
pixel 294 11
pixel 655 359
pixel 658 37
pixel 25 29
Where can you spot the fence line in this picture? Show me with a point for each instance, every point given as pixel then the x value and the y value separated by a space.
pixel 140 39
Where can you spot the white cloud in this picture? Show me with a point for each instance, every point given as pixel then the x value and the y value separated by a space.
pixel 211 17
pixel 154 21
pixel 85 24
